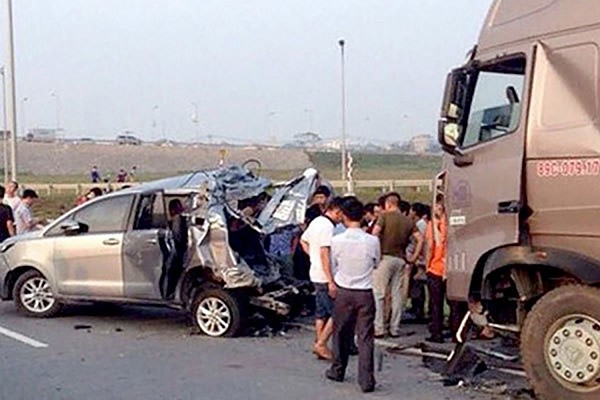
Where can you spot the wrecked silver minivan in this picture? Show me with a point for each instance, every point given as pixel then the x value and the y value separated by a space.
pixel 193 241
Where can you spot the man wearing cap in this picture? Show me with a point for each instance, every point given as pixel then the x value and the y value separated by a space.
pixel 354 256
pixel 23 214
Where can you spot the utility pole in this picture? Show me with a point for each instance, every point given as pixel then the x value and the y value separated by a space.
pixel 12 93
pixel 342 43
pixel 196 121
pixel 309 112
pixel 4 127
pixel 57 99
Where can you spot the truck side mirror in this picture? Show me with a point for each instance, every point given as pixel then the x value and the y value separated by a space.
pixel 449 124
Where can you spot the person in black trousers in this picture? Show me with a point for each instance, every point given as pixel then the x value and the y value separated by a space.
pixel 354 255
pixel 437 234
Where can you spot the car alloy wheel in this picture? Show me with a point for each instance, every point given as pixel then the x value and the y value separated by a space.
pixel 36 295
pixel 213 316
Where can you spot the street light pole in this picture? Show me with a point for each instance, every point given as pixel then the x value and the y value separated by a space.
pixel 342 43
pixel 4 127
pixel 12 93
pixel 195 121
pixel 23 114
pixel 155 110
pixel 271 115
pixel 309 112
pixel 53 94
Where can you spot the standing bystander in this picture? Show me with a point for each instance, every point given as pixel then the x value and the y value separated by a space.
pixel 23 214
pixel 354 255
pixel 370 218
pixel 95 175
pixel 436 269
pixel 7 220
pixel 11 198
pixel 301 260
pixel 122 176
pixel 318 204
pixel 418 273
pixel 316 242
pixel 394 230
pixel 133 173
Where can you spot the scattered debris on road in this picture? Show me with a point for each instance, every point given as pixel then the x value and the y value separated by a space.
pixel 82 327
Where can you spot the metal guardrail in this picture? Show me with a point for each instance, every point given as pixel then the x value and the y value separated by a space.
pixel 416 184
pixel 81 188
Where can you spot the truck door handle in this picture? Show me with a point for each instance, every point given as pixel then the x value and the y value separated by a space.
pixel 509 207
pixel 110 242
pixel 151 241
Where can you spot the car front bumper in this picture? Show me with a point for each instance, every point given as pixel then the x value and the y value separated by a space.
pixel 4 270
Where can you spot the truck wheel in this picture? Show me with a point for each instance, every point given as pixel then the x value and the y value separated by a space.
pixel 217 313
pixel 33 296
pixel 560 344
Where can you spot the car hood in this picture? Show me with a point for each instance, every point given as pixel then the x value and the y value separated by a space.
pixel 24 236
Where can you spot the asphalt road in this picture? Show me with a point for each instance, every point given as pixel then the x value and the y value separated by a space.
pixel 136 353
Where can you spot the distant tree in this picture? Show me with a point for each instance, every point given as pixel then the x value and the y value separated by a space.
pixel 307 139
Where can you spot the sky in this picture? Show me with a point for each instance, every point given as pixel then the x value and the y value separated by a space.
pixel 251 71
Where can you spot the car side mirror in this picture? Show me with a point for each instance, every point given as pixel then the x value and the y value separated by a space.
pixel 71 228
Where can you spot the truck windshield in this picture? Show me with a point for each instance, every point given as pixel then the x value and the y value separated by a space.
pixel 496 102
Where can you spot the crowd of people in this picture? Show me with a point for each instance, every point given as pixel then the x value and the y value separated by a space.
pixel 368 263
pixel 122 176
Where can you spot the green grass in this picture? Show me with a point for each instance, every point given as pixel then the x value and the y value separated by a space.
pixel 366 167
pixel 379 166
pixel 31 178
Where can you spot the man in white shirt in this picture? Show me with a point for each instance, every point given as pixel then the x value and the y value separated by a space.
pixel 316 242
pixel 354 256
pixel 11 198
pixel 23 214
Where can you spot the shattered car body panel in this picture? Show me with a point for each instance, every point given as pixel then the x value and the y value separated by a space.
pixel 217 196
pixel 289 203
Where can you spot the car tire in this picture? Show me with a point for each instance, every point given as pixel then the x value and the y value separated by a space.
pixel 218 313
pixel 33 296
pixel 560 344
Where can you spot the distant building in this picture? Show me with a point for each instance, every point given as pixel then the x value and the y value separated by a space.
pixel 41 135
pixel 421 144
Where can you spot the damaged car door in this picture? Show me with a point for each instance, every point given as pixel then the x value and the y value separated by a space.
pixel 148 249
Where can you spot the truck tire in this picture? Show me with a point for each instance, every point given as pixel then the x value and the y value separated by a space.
pixel 217 313
pixel 560 344
pixel 33 296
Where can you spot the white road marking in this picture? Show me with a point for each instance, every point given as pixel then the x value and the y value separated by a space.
pixel 22 338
